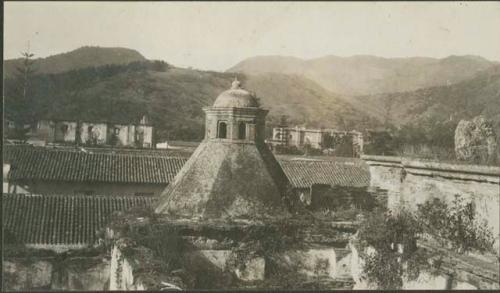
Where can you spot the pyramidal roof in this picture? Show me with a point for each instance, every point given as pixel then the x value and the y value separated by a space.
pixel 228 177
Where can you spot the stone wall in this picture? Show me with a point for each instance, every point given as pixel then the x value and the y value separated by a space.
pixel 412 182
pixel 468 276
pixel 121 273
pixel 53 273
pixel 228 269
pixel 217 254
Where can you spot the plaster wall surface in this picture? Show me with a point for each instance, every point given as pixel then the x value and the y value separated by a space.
pixel 125 135
pixel 65 131
pixel 412 182
pixel 94 131
pixel 147 136
pixel 121 273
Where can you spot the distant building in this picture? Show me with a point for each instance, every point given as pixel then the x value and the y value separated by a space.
pixel 95 133
pixel 315 138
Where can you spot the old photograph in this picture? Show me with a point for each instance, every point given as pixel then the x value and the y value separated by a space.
pixel 171 146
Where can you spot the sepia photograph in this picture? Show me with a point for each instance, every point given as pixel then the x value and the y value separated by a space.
pixel 239 145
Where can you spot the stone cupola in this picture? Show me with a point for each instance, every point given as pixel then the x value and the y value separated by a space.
pixel 236 117
pixel 232 173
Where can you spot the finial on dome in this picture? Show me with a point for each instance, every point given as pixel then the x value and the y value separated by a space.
pixel 236 84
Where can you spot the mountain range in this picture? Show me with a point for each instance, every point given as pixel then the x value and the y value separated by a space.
pixel 364 75
pixel 349 93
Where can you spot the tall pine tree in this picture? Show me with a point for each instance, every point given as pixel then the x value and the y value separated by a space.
pixel 19 99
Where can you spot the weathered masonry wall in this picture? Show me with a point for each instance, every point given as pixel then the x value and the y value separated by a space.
pixel 412 182
pixel 216 254
pixel 51 273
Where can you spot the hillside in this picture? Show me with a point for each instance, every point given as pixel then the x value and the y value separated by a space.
pixel 174 97
pixel 76 59
pixel 366 75
pixel 479 95
pixel 305 102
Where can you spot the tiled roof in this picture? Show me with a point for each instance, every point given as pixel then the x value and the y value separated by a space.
pixel 77 166
pixel 11 149
pixel 55 219
pixel 302 174
pixel 147 167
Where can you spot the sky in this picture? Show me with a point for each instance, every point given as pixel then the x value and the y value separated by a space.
pixel 216 36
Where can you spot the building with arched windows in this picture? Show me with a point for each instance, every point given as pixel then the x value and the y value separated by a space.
pixel 94 133
pixel 232 173
pixel 323 139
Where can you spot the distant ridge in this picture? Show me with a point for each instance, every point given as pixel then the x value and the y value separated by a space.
pixel 87 56
pixel 366 74
pixel 82 86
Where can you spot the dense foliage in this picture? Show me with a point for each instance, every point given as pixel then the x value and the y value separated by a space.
pixel 456 225
pixel 393 237
pixel 64 96
pixel 379 143
pixel 345 204
pixel 21 110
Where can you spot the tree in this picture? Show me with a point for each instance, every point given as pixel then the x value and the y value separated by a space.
pixel 340 122
pixel 19 98
pixel 387 103
pixel 283 121
pixel 394 236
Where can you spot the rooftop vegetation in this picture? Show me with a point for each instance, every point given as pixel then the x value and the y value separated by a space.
pixel 395 237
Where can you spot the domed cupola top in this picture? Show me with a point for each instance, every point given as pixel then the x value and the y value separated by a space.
pixel 236 97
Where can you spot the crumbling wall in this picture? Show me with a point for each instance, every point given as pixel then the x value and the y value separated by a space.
pixel 216 254
pixel 412 182
pixel 136 267
pixel 21 274
pixel 121 273
pixel 424 181
pixel 468 276
pixel 386 172
pixel 53 273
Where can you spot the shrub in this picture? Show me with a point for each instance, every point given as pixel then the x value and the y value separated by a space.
pixel 452 225
pixel 456 225
pixel 387 233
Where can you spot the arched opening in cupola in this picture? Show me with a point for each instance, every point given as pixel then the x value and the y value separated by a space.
pixel 222 130
pixel 242 130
